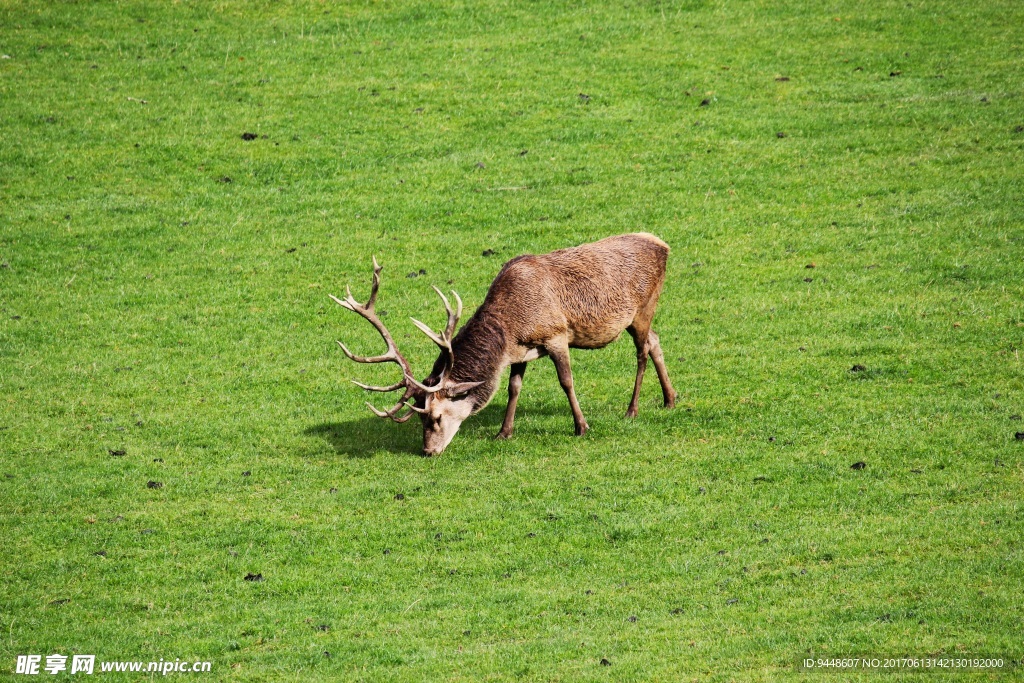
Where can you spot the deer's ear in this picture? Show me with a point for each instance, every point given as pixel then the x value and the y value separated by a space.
pixel 461 388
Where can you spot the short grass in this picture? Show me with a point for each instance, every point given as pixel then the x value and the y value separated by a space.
pixel 164 287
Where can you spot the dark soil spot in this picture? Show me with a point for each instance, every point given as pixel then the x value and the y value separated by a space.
pixel 771 439
pixel 782 79
pixel 859 465
pixel 916 471
pixel 61 601
pixel 732 601
pixel 480 164
pixel 531 535
pixel 605 662
pixel 894 74
pixel 15 317
pixel 858 68
pixel 158 459
pixel 704 103
pixel 721 552
pixel 323 627
pixel 253 577
pixel 413 274
pixel 1015 417
pixel 761 477
pixel 117 452
pixel 872 266
pixel 247 473
pixel 677 610
pixel 224 179
pixel 858 368
pixel 291 251
pixel 808 279
pixel 780 134
pixel 632 619
pixel 1018 129
pixel 466 633
pixel 154 484
pixel 984 99
pixel 584 98
pixel 423 271
pixel 524 152
pixel 147 532
pixel 100 553
pixel 1019 436
pixel 764 541
pixel 701 489
pixel 811 265
pixel 588 592
pixel 399 496
pixel 487 252
pixel 333 490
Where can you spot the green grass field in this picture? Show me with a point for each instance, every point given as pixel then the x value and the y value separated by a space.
pixel 163 291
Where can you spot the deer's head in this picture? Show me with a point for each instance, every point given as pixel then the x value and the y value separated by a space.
pixel 441 402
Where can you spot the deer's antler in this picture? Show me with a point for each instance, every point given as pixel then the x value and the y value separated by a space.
pixel 444 339
pixel 408 382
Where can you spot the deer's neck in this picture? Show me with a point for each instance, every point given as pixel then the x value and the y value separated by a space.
pixel 479 357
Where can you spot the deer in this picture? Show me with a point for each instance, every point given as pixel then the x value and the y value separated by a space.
pixel 538 305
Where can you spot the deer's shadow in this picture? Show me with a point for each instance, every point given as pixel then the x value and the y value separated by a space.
pixel 363 437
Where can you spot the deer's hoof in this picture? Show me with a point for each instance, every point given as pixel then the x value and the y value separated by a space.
pixel 502 435
pixel 582 429
pixel 631 412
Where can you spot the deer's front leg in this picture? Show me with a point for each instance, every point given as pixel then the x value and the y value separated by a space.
pixel 515 384
pixel 559 351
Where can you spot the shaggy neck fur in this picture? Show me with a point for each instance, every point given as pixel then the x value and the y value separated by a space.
pixel 479 349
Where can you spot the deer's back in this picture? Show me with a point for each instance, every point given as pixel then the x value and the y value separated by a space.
pixel 591 292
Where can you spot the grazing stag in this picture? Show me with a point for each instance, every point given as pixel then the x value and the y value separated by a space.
pixel 582 297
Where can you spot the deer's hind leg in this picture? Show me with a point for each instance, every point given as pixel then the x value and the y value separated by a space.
pixel 640 334
pixel 667 392
pixel 648 344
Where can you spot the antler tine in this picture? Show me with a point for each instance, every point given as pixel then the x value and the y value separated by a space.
pixel 387 413
pixel 376 284
pixel 403 418
pixel 368 387
pixel 440 341
pixel 389 356
pixel 423 387
pixel 458 299
pixel 453 318
pixel 343 304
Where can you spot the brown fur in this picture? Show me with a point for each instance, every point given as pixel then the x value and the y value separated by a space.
pixel 580 297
